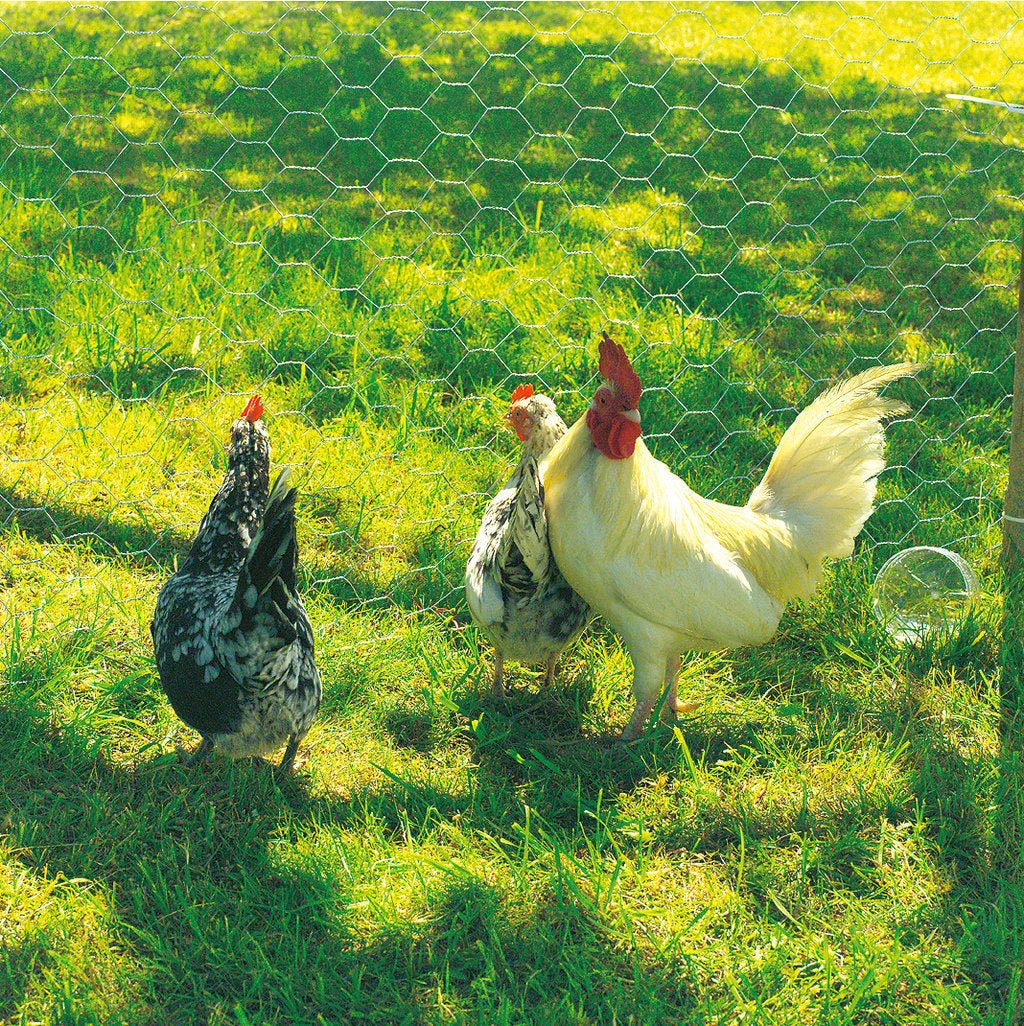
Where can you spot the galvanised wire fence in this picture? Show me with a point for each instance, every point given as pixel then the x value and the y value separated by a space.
pixel 384 216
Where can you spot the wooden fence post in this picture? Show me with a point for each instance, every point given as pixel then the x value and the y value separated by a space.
pixel 1013 502
pixel 1012 556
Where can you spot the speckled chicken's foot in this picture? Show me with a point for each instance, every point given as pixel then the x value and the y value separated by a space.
pixel 200 753
pixel 549 676
pixel 285 767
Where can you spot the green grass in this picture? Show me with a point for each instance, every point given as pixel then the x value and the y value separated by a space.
pixel 383 219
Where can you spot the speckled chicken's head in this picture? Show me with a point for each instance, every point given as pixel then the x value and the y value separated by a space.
pixel 250 441
pixel 614 414
pixel 535 421
pixel 236 511
pixel 249 459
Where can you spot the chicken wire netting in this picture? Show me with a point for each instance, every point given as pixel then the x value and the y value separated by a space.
pixel 383 217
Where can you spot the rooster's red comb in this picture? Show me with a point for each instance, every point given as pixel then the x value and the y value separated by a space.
pixel 253 409
pixel 616 368
pixel 522 392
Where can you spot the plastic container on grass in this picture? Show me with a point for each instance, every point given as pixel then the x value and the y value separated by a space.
pixel 923 592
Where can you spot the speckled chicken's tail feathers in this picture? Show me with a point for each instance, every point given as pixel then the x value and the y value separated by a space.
pixel 529 524
pixel 267 579
pixel 274 552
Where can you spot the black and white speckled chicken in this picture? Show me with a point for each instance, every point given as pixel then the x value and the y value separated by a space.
pixel 233 643
pixel 516 594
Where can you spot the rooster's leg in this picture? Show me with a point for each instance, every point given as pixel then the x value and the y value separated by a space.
pixel 672 701
pixel 647 685
pixel 637 722
pixel 671 676
pixel 498 684
pixel 650 682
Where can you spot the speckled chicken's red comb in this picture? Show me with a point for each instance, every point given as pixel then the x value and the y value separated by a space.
pixel 616 368
pixel 253 409
pixel 522 392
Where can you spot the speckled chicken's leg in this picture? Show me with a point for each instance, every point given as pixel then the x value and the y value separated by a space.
pixel 200 752
pixel 284 769
pixel 549 676
pixel 498 684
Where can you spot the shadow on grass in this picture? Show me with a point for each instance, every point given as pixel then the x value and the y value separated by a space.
pixel 748 152
pixel 221 901
pixel 228 888
pixel 436 580
pixel 103 532
pixel 531 749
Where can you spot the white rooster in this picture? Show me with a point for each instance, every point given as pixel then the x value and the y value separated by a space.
pixel 515 593
pixel 674 572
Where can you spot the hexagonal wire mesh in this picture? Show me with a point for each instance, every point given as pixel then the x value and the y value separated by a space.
pixel 384 216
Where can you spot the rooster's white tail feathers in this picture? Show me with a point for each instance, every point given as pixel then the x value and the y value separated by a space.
pixel 821 480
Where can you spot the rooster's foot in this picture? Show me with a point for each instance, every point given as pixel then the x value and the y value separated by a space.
pixel 634 729
pixel 642 713
pixel 685 708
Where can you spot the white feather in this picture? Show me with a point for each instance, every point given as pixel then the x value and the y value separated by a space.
pixel 672 571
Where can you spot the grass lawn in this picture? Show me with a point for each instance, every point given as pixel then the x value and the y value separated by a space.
pixel 383 218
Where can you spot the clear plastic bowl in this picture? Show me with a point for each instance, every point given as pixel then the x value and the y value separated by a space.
pixel 923 592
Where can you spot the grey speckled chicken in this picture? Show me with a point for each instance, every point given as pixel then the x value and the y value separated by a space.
pixel 233 643
pixel 516 594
